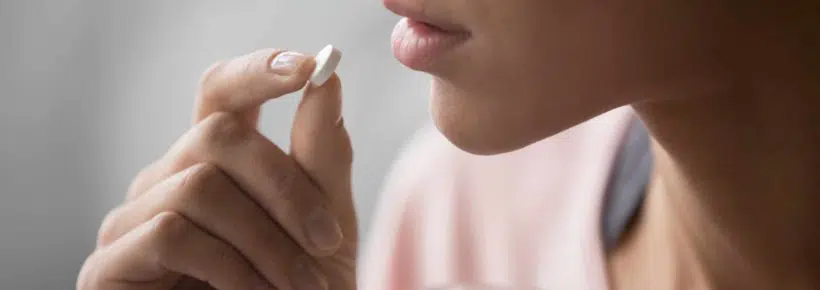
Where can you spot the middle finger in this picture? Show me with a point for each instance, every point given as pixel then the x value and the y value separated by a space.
pixel 211 200
pixel 264 172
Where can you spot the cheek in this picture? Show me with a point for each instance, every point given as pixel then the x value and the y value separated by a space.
pixel 581 48
pixel 537 67
pixel 522 83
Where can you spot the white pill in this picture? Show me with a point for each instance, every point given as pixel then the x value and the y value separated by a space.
pixel 326 62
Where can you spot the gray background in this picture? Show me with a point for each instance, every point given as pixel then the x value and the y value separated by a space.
pixel 94 90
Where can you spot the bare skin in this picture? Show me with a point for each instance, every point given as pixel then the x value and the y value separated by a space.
pixel 729 90
pixel 735 198
pixel 225 208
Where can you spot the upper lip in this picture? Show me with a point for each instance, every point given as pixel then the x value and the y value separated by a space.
pixel 414 10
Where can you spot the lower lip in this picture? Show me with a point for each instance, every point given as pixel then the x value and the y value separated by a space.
pixel 418 45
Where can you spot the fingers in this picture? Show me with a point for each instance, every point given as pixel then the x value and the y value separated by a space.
pixel 158 251
pixel 319 141
pixel 185 218
pixel 207 197
pixel 244 83
pixel 321 146
pixel 269 176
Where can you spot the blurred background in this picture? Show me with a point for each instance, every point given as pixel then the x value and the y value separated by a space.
pixel 93 90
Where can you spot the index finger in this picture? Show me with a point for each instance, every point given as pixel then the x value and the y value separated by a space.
pixel 246 82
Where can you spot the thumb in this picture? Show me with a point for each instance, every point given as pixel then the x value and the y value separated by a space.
pixel 321 146
pixel 320 143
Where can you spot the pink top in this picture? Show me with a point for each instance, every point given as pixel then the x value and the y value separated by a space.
pixel 528 219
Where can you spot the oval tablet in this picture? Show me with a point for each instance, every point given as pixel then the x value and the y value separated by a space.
pixel 326 62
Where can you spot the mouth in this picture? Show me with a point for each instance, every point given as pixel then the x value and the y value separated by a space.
pixel 420 39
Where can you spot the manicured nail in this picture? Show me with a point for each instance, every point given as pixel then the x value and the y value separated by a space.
pixel 323 230
pixel 287 62
pixel 305 277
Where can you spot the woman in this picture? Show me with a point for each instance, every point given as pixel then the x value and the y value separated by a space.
pixel 727 89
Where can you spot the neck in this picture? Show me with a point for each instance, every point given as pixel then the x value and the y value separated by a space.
pixel 735 201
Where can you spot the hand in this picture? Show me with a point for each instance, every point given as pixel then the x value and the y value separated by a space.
pixel 226 208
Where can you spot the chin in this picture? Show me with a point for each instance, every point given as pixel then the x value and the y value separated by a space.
pixel 488 121
pixel 474 143
pixel 479 125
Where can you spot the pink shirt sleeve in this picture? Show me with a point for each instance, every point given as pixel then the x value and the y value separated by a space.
pixel 528 219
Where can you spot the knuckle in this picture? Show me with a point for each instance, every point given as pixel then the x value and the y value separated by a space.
pixel 209 83
pixel 209 73
pixel 106 233
pixel 222 130
pixel 251 67
pixel 89 273
pixel 169 229
pixel 198 177
pixel 202 181
pixel 140 182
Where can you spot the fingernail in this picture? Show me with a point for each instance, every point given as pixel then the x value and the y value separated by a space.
pixel 323 230
pixel 287 62
pixel 305 277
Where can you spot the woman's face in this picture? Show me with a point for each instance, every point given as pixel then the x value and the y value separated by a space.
pixel 508 73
